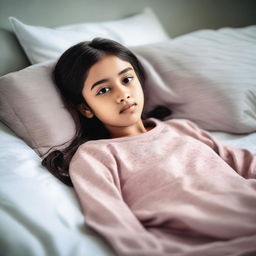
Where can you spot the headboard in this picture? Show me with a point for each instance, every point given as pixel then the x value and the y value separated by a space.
pixel 177 16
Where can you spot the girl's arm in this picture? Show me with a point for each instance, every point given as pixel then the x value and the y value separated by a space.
pixel 104 208
pixel 241 160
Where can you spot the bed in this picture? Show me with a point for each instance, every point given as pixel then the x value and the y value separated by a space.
pixel 202 68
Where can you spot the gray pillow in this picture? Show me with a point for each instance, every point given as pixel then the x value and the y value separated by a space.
pixel 206 76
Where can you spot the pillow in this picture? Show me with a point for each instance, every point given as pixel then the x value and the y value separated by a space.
pixel 140 29
pixel 33 108
pixel 207 76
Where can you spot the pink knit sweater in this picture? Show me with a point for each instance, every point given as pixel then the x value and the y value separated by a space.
pixel 173 190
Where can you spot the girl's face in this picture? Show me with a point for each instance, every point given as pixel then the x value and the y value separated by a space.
pixel 114 94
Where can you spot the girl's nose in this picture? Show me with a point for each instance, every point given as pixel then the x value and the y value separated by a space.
pixel 122 94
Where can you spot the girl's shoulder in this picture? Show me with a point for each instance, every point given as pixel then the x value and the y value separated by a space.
pixel 183 127
pixel 185 123
pixel 93 145
pixel 95 149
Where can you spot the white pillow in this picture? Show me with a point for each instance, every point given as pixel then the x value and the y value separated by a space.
pixel 42 44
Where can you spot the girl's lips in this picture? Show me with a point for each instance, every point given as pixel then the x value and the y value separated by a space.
pixel 128 107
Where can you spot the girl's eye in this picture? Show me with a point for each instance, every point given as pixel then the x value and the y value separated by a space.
pixel 103 91
pixel 127 79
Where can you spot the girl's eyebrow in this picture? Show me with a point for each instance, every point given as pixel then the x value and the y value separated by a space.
pixel 106 80
pixel 125 70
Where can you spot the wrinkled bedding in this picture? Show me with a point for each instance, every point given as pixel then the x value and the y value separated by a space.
pixel 41 216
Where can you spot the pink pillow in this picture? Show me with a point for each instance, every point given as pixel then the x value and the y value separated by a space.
pixel 32 107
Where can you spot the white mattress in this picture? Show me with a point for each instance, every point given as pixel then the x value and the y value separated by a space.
pixel 41 216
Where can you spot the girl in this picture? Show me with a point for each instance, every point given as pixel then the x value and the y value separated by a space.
pixel 149 187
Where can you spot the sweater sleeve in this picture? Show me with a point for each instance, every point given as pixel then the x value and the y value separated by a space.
pixel 104 209
pixel 241 160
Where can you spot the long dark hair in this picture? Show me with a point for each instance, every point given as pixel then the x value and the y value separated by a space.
pixel 69 75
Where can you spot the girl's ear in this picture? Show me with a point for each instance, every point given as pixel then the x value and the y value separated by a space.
pixel 85 110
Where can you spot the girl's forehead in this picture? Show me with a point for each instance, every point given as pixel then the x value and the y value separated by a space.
pixel 108 65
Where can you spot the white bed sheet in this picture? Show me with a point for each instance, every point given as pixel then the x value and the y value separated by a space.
pixel 41 216
pixel 247 141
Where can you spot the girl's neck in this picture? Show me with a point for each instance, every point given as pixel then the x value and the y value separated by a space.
pixel 136 129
